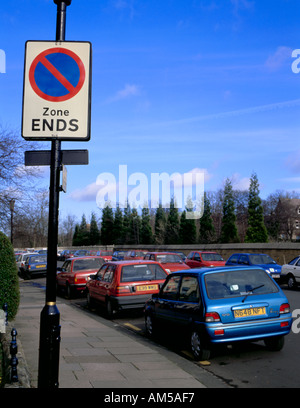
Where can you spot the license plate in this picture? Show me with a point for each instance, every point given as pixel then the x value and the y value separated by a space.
pixel 275 276
pixel 145 288
pixel 254 311
pixel 40 266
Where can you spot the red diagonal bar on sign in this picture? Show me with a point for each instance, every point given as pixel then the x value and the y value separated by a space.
pixel 63 80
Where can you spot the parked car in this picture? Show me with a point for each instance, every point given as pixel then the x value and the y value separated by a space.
pixel 204 259
pixel 262 260
pixel 135 254
pixel 20 260
pixel 220 305
pixel 290 273
pixel 34 264
pixel 106 255
pixel 74 273
pixel 66 254
pixel 120 285
pixel 82 252
pixel 170 261
pixel 119 255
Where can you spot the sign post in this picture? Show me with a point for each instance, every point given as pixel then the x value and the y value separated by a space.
pixel 56 107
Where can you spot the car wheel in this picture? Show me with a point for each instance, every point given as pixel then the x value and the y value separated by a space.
pixel 69 292
pixel 149 325
pixel 90 301
pixel 291 282
pixel 199 349
pixel 274 343
pixel 109 309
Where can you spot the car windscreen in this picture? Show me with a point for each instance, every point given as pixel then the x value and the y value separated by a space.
pixel 261 259
pixel 90 263
pixel 169 258
pixel 38 259
pixel 227 284
pixel 212 257
pixel 145 272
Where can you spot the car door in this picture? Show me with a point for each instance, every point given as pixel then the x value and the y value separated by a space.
pixel 188 307
pixel 104 285
pixel 65 270
pixel 166 301
pixel 95 282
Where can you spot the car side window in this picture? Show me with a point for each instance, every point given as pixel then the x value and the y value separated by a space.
pixel 170 289
pixel 152 257
pixel 109 274
pixel 101 271
pixel 147 256
pixel 197 257
pixel 298 263
pixel 67 267
pixel 189 290
pixel 190 255
pixel 243 260
pixel 233 259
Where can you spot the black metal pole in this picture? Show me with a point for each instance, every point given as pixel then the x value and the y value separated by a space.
pixel 50 316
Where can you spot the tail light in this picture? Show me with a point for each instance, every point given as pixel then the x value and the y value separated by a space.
pixel 212 317
pixel 122 289
pixel 284 308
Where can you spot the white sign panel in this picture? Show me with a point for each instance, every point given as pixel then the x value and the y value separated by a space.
pixel 57 90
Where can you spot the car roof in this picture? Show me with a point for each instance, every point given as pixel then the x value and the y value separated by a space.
pixel 83 257
pixel 201 271
pixel 132 262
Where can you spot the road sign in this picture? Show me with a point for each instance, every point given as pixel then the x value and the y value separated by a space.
pixel 43 157
pixel 57 91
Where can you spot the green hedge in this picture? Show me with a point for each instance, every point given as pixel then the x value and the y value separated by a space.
pixel 9 281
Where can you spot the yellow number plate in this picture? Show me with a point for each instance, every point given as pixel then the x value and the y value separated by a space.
pixel 255 311
pixel 144 288
pixel 40 266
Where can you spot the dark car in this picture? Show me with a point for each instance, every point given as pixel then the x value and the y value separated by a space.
pixel 82 252
pixel 34 264
pixel 253 259
pixel 66 254
pixel 220 305
pixel 119 255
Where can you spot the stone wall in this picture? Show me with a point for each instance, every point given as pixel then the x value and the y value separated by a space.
pixel 281 252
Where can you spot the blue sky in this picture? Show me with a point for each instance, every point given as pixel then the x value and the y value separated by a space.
pixel 178 86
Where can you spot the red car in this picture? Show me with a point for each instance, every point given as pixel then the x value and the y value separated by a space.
pixel 170 261
pixel 204 259
pixel 106 255
pixel 124 284
pixel 74 273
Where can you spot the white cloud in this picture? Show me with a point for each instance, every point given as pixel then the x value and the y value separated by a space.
pixel 277 60
pixel 125 93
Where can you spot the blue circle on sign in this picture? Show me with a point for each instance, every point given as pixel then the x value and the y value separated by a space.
pixel 49 83
pixel 57 74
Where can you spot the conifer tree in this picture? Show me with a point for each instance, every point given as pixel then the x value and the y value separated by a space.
pixel 146 230
pixel 206 229
pixel 107 226
pixel 118 228
pixel 94 231
pixel 159 226
pixel 229 229
pixel 172 226
pixel 256 231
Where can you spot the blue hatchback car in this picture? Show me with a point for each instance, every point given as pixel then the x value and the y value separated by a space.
pixel 34 264
pixel 220 305
pixel 262 260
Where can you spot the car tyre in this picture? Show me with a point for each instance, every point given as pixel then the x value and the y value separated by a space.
pixel 199 347
pixel 291 282
pixel 274 343
pixel 69 292
pixel 109 309
pixel 90 302
pixel 149 326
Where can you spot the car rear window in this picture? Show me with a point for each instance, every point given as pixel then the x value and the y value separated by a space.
pixel 212 257
pixel 169 258
pixel 238 283
pixel 82 264
pixel 38 259
pixel 134 273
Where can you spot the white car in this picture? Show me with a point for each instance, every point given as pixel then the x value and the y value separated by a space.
pixel 20 259
pixel 290 273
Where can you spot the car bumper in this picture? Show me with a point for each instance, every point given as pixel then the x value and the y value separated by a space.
pixel 254 330
pixel 130 302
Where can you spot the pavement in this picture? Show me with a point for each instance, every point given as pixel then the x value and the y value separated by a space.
pixel 98 353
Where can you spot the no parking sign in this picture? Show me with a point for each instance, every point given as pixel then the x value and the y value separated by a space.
pixel 57 91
